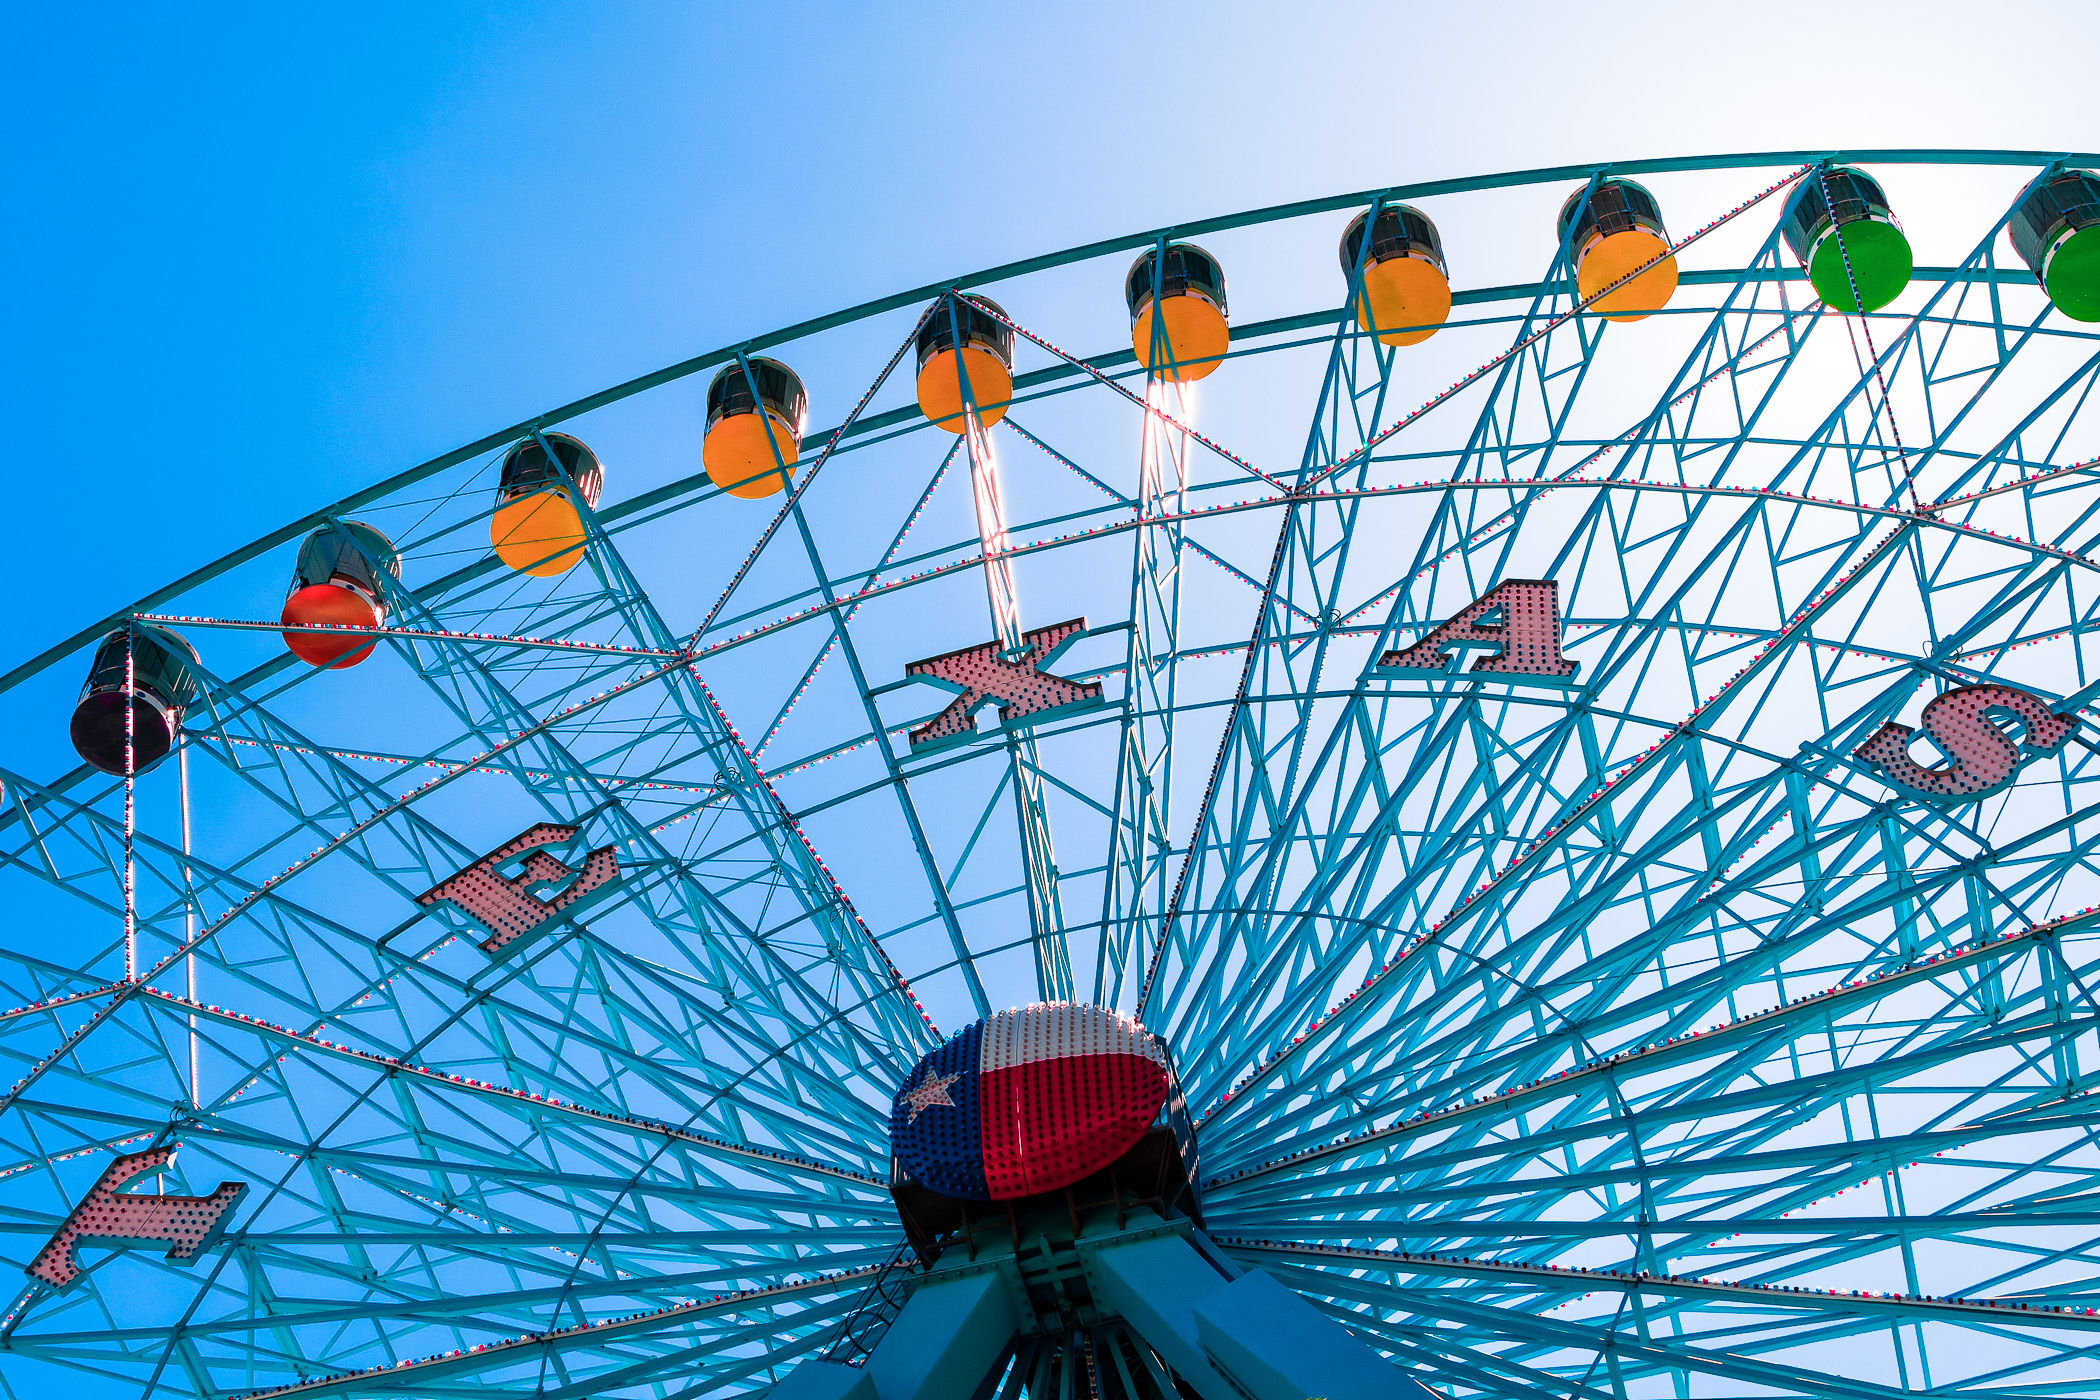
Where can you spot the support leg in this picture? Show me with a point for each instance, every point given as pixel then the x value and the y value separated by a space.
pixel 1248 1338
pixel 1276 1346
pixel 945 1340
pixel 823 1380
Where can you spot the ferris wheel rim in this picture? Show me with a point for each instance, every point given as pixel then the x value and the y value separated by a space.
pixel 1252 1230
pixel 900 300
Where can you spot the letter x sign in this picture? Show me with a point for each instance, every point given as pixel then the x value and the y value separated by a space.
pixel 984 673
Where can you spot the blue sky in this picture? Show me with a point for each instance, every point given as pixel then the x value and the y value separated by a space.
pixel 264 255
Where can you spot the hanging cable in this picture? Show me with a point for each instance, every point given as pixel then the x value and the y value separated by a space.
pixel 131 912
pixel 189 906
pixel 1859 308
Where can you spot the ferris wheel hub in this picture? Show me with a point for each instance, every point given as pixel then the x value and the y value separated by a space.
pixel 1031 1101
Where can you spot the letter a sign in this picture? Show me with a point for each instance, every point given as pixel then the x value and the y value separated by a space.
pixel 1519 619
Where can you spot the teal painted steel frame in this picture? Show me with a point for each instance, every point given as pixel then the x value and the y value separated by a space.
pixel 1533 1031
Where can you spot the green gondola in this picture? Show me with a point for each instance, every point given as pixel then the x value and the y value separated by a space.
pixel 1839 224
pixel 2056 232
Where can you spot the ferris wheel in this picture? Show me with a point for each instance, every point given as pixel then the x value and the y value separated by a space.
pixel 1504 759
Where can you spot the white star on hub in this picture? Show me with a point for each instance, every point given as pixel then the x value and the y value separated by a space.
pixel 932 1092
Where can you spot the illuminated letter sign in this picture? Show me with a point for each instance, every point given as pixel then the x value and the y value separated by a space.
pixel 512 906
pixel 1525 634
pixel 1981 760
pixel 187 1225
pixel 1017 685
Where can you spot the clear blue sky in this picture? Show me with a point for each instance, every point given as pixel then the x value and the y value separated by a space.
pixel 260 256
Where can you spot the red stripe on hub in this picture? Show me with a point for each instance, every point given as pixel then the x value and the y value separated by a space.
pixel 1047 1123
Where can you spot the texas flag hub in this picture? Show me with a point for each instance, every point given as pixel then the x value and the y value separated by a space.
pixel 1028 1100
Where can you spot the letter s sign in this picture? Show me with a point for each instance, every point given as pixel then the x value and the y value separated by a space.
pixel 1981 760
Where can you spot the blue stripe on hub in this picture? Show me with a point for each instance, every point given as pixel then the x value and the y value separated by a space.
pixel 942 1146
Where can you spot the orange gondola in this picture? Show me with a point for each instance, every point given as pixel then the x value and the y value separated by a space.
pixel 1407 287
pixel 1610 230
pixel 1190 336
pixel 755 421
pixel 537 528
pixel 981 370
